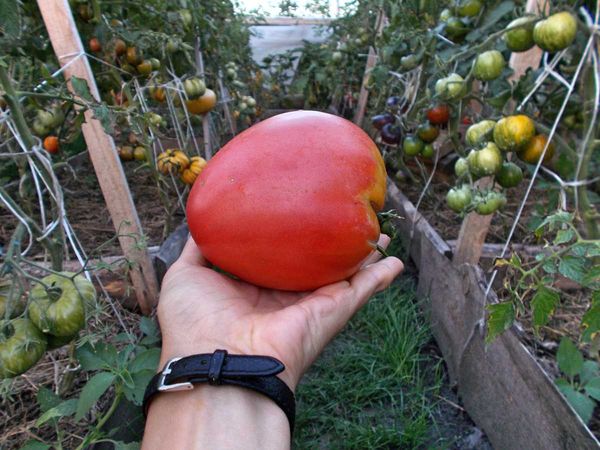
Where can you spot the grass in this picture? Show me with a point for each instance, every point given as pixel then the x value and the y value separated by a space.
pixel 373 387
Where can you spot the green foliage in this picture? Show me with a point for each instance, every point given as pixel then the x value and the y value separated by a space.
pixel 581 384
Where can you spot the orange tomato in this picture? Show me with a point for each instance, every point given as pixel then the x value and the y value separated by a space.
pixel 95 45
pixel 532 152
pixel 203 104
pixel 291 202
pixel 51 144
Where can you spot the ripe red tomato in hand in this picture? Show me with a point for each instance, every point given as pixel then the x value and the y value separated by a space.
pixel 291 202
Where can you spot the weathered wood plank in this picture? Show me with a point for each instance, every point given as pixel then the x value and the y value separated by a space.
pixel 70 53
pixel 503 388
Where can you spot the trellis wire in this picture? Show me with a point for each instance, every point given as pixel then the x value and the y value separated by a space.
pixel 541 158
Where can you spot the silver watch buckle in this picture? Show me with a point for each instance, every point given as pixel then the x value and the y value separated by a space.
pixel 162 387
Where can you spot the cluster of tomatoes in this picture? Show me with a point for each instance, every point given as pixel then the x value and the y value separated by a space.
pixel 52 317
pixel 176 162
pixel 45 125
pixel 418 141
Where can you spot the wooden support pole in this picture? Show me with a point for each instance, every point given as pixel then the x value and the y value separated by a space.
pixel 363 98
pixel 474 228
pixel 70 53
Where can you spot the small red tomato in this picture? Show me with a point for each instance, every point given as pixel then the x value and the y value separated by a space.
pixel 439 115
pixel 51 144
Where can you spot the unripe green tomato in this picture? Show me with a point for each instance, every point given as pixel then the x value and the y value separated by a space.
pixel 428 151
pixel 456 29
pixel 172 46
pixel 488 65
pixel 412 145
pixel 39 128
pixel 409 62
pixel 186 18
pixel 489 203
pixel 479 132
pixel 521 39
pixel 45 117
pixel 461 167
pixel 336 57
pixel 22 346
pixel 486 161
pixel 445 15
pixel 555 33
pixel 250 101
pixel 231 73
pixel 451 87
pixel 155 63
pixel 509 175
pixel 458 199
pixel 469 8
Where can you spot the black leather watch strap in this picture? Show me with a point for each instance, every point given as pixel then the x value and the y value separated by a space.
pixel 252 372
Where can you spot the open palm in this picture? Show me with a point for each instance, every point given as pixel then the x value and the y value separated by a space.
pixel 201 310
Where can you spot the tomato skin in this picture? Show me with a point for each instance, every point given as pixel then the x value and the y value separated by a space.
pixel 488 65
pixel 139 153
pixel 427 132
pixel 439 114
pixel 202 104
pixel 380 120
pixel 51 144
pixel 458 199
pixel 489 203
pixel 521 39
pixel 391 134
pixel 479 133
pixel 510 175
pixel 428 151
pixel 412 145
pixel 469 8
pixel 305 186
pixel 456 29
pixel 555 33
pixel 534 148
pixel 512 133
pixel 190 174
pixel 24 347
pixel 486 161
pixel 126 153
pixel 11 300
pixel 64 315
pixel 461 167
pixel 451 87
pixel 95 45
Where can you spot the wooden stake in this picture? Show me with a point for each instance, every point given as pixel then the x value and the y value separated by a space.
pixel 70 53
pixel 371 61
pixel 474 228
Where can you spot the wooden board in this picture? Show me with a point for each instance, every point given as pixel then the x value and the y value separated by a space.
pixel 503 388
pixel 69 51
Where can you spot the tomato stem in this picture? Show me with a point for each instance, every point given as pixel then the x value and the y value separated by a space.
pixel 381 250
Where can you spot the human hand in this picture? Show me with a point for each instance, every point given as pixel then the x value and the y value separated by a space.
pixel 201 310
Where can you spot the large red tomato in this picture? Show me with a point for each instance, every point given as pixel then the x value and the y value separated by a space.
pixel 290 203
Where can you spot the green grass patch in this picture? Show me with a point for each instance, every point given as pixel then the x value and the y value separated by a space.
pixel 373 387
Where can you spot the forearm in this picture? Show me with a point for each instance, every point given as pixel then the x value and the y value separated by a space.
pixel 215 417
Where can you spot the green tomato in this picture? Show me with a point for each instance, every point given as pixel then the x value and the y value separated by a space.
pixel 456 29
pixel 469 8
pixel 59 341
pixel 172 46
pixel 155 63
pixel 40 129
pixel 452 87
pixel 486 161
pixel 428 151
pixel 412 145
pixel 186 18
pixel 409 62
pixel 458 199
pixel 61 310
pixel 488 65
pixel 509 175
pixel 555 33
pixel 479 133
pixel 336 56
pixel 194 88
pixel 489 203
pixel 427 132
pixel 521 39
pixel 21 346
pixel 10 299
pixel 461 167
pixel 445 15
pixel 46 118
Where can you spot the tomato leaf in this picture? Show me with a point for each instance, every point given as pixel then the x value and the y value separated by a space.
pixel 583 405
pixel 146 360
pixel 591 319
pixel 81 88
pixel 135 392
pixel 148 326
pixel 97 357
pixel 64 409
pixel 589 371
pixel 572 267
pixel 591 279
pixel 118 445
pixel 569 358
pixel 497 14
pixel 543 303
pixel 47 399
pixel 35 445
pixel 592 388
pixel 92 391
pixel 9 19
pixel 501 317
pixel 564 236
pixel 102 113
